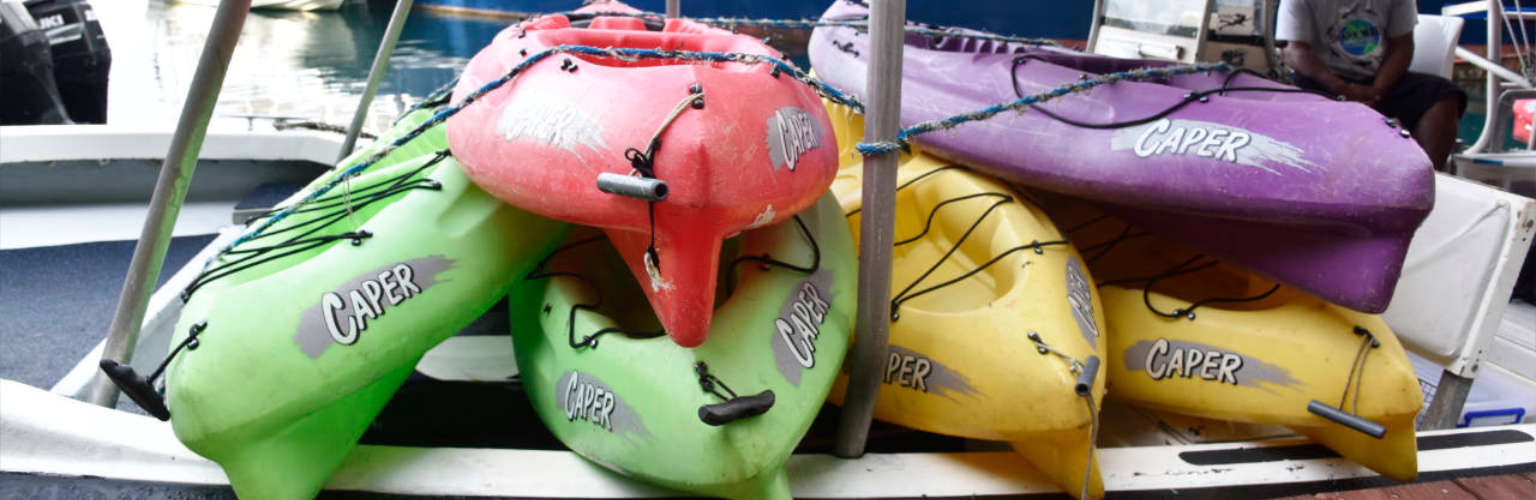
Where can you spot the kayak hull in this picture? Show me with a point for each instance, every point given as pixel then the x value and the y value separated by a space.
pixel 1343 175
pixel 636 405
pixel 738 147
pixel 1251 351
pixel 295 356
pixel 957 355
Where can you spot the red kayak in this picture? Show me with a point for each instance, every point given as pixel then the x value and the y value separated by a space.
pixel 689 152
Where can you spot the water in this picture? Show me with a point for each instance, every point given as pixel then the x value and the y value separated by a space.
pixel 314 65
pixel 291 64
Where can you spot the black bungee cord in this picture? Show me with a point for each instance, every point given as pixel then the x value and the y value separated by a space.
pixel 1191 97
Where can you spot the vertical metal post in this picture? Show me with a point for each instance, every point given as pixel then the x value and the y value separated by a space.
pixel 1093 27
pixel 876 227
pixel 170 191
pixel 672 8
pixel 1491 84
pixel 376 73
pixel 1444 410
pixel 1271 54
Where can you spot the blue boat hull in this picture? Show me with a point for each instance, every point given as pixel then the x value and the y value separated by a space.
pixel 1040 18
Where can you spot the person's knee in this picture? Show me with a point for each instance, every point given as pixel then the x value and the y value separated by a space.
pixel 1450 105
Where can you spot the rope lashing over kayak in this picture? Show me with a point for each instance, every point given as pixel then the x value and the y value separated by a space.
pixel 1087 372
pixel 143 390
pixel 437 98
pixel 732 407
pixel 1192 265
pixel 643 164
pixel 282 124
pixel 905 135
pixel 914 180
pixel 302 236
pixel 1368 342
pixel 712 384
pixel 1355 381
pixel 540 272
pixel 906 293
pixel 777 66
pixel 1102 249
pixel 767 261
pixel 1189 98
pixel 806 24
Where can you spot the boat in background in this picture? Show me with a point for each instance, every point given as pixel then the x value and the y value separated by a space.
pixel 81 58
pixel 297 5
pixel 26 78
pixel 1066 21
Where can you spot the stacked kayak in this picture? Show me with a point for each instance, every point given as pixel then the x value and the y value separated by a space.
pixel 995 329
pixel 669 155
pixel 665 347
pixel 1223 161
pixel 294 339
pixel 719 419
pixel 1192 335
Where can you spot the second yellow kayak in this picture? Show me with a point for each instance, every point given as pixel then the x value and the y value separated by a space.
pixel 994 317
pixel 1191 335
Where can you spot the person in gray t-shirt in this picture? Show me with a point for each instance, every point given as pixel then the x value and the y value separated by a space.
pixel 1360 50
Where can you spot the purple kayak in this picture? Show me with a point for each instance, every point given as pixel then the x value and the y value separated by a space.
pixel 1318 194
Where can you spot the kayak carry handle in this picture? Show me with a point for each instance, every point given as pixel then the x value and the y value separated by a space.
pixel 645 188
pixel 1085 377
pixel 137 387
pixel 736 408
pixel 1349 420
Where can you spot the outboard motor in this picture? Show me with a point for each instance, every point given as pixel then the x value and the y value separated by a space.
pixel 81 58
pixel 27 92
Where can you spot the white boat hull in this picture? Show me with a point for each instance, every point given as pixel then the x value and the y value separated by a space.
pixel 51 435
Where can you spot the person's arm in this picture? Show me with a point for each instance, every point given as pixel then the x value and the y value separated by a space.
pixel 1399 50
pixel 1399 55
pixel 1302 60
pixel 1294 24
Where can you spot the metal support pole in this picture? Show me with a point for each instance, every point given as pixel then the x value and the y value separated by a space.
pixel 1093 27
pixel 876 226
pixel 1271 54
pixel 672 8
pixel 376 73
pixel 1491 85
pixel 1444 410
pixel 170 191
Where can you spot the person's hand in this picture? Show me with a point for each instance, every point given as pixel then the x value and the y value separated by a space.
pixel 1361 93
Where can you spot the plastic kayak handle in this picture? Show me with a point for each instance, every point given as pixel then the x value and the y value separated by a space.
pixel 736 408
pixel 1349 420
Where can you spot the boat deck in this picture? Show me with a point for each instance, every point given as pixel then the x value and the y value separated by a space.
pixel 1509 486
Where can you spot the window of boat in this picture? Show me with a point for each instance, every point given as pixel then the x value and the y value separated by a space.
pixel 1179 18
pixel 1238 21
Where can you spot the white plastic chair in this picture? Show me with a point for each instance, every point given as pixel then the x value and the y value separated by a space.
pixel 1434 44
pixel 1456 284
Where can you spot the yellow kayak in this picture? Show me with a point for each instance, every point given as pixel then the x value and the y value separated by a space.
pixel 1211 340
pixel 994 317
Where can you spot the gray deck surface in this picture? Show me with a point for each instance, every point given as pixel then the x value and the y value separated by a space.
pixel 57 301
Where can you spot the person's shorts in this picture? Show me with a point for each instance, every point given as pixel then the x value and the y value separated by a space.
pixel 1407 100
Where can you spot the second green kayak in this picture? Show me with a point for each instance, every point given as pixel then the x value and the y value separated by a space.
pixel 719 419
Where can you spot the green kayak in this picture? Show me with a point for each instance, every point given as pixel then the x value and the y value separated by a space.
pixel 304 332
pixel 719 419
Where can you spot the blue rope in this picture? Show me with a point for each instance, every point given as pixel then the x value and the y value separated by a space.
pixel 627 54
pixel 906 134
